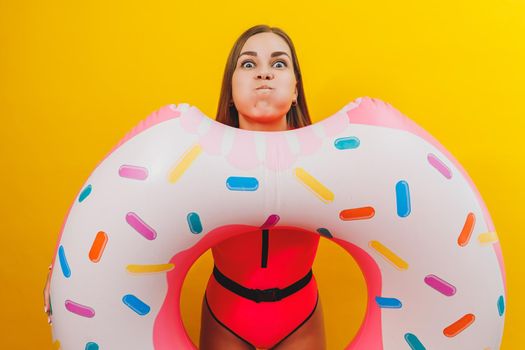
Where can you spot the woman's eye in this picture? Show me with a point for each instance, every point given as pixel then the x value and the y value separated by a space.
pixel 283 64
pixel 250 64
pixel 247 64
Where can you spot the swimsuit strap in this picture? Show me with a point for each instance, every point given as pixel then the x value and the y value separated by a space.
pixel 258 295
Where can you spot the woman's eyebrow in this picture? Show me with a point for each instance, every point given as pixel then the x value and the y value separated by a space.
pixel 274 54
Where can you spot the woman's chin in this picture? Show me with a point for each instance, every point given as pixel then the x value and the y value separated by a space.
pixel 263 122
pixel 265 119
pixel 265 115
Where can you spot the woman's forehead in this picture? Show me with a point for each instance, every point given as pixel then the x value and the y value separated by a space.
pixel 265 44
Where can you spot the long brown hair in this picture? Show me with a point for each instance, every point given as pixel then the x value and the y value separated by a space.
pixel 296 117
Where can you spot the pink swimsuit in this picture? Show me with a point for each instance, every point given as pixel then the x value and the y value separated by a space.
pixel 266 259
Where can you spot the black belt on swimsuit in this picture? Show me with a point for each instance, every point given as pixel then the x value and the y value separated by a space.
pixel 258 295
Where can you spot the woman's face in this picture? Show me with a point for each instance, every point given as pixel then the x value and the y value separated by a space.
pixel 263 83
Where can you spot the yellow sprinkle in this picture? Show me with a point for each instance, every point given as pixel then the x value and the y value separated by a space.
pixel 184 163
pixel 488 237
pixel 56 345
pixel 389 255
pixel 149 268
pixel 318 188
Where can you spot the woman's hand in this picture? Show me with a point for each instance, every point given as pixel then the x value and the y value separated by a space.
pixel 47 304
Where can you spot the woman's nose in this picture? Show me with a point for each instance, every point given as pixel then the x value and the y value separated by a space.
pixel 265 75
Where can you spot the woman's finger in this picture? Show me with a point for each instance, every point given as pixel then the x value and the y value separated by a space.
pixel 46 297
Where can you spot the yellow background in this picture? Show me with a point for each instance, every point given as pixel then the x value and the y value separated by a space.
pixel 75 77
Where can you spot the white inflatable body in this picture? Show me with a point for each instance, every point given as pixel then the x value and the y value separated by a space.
pixel 367 177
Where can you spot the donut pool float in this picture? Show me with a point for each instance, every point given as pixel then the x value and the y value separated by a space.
pixel 367 178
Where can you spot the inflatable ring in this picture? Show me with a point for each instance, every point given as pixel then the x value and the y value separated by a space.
pixel 367 178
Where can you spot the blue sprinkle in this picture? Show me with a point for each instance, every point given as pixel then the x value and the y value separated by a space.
pixel 388 303
pixel 347 142
pixel 414 343
pixel 91 346
pixel 194 222
pixel 402 198
pixel 239 183
pixel 501 305
pixel 85 192
pixel 325 232
pixel 136 304
pixel 63 262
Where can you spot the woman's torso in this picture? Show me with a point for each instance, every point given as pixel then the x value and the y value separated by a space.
pixel 273 258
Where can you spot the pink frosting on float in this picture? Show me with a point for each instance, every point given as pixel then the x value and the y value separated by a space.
pixel 278 152
pixel 332 126
pixel 165 113
pixel 212 140
pixel 191 119
pixel 243 154
pixel 364 114
pixel 308 141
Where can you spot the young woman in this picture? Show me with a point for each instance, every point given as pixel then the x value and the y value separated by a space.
pixel 262 90
pixel 262 293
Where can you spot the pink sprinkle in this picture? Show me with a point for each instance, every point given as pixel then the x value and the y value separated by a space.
pixel 440 285
pixel 439 165
pixel 79 309
pixel 140 226
pixel 271 221
pixel 133 172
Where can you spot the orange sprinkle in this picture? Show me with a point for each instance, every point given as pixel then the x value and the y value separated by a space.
pixel 97 248
pixel 466 232
pixel 357 213
pixel 458 326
